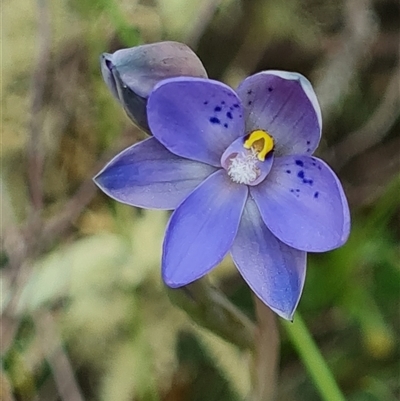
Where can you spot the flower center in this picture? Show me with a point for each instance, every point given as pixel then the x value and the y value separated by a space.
pixel 244 161
pixel 243 167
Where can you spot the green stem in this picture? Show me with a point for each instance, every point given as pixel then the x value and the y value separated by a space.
pixel 313 360
pixel 209 308
pixel 266 354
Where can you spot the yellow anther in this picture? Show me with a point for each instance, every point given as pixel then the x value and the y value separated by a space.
pixel 261 142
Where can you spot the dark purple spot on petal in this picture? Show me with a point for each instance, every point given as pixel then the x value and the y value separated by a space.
pixel 292 190
pixel 249 92
pixel 226 125
pixel 308 142
pixel 308 149
pixel 249 102
pixel 206 102
pixel 297 190
pixel 229 115
pixel 300 163
pixel 288 171
pixel 236 106
pixel 215 120
pixel 223 102
pixel 300 174
pixel 316 194
pixel 305 181
pixel 314 164
pixel 217 109
pixel 270 89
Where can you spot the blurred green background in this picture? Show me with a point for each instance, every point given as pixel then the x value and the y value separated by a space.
pixel 85 315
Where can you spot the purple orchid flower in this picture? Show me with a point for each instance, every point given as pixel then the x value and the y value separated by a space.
pixel 238 171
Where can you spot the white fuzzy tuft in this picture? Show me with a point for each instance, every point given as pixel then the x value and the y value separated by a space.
pixel 243 168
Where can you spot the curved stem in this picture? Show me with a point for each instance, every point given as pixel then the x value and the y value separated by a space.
pixel 209 308
pixel 313 360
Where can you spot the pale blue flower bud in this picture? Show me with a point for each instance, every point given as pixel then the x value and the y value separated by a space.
pixel 132 73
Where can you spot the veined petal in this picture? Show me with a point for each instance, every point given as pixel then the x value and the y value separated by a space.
pixel 273 270
pixel 302 202
pixel 202 229
pixel 148 175
pixel 285 105
pixel 195 118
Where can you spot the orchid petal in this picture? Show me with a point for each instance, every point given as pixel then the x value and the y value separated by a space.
pixel 195 118
pixel 202 229
pixel 283 104
pixel 148 175
pixel 302 202
pixel 273 270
